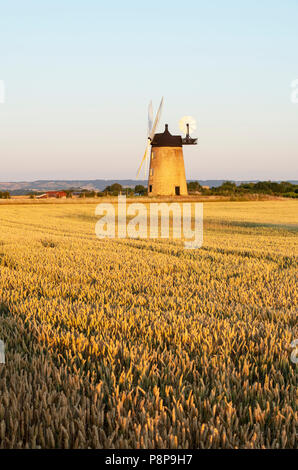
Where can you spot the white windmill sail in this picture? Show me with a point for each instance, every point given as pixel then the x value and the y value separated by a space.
pixel 150 117
pixel 144 157
pixel 151 132
pixel 157 119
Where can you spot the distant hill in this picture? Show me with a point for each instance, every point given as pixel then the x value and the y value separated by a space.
pixel 23 187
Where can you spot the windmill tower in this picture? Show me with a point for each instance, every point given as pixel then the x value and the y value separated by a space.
pixel 166 170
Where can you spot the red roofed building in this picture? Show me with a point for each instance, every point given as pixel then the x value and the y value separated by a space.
pixel 56 194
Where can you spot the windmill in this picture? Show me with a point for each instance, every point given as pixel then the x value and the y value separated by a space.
pixel 166 170
pixel 152 126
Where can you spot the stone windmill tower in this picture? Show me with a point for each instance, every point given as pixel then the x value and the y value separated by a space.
pixel 166 170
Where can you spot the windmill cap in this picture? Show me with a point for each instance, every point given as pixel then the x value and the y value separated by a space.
pixel 166 139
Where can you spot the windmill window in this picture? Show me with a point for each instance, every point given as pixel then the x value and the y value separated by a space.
pixel 150 188
pixel 151 171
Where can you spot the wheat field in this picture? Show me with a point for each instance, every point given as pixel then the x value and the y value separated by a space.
pixel 141 343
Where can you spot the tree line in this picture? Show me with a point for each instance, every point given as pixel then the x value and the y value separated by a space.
pixel 114 190
pixel 229 188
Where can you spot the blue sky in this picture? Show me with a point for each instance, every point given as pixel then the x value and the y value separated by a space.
pixel 79 75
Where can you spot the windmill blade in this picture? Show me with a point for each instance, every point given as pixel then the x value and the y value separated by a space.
pixel 151 132
pixel 158 114
pixel 150 117
pixel 144 157
pixel 148 158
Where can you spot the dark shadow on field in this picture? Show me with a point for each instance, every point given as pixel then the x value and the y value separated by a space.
pixel 247 224
pixel 79 217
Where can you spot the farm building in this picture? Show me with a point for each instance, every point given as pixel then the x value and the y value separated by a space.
pixel 55 194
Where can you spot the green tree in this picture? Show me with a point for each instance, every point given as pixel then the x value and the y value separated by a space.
pixel 114 189
pixel 68 192
pixel 194 187
pixel 4 195
pixel 140 189
pixel 228 186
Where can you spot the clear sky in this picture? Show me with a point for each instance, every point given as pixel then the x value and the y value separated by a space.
pixel 79 75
